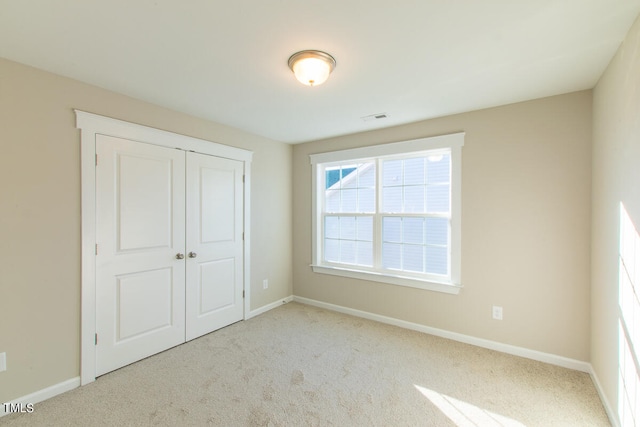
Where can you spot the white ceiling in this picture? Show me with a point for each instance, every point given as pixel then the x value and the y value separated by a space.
pixel 226 61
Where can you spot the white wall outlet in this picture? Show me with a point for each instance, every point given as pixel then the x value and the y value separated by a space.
pixel 3 362
pixel 265 284
pixel 497 312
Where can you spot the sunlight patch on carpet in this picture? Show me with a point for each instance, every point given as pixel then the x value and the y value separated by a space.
pixel 464 414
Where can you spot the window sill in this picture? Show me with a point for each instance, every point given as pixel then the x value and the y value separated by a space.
pixel 448 288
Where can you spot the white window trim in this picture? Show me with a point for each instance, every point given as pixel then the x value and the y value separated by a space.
pixel 454 142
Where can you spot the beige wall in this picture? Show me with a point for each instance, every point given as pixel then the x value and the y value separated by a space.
pixel 40 216
pixel 526 182
pixel 616 179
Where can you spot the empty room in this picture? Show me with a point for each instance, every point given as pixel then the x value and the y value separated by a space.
pixel 318 213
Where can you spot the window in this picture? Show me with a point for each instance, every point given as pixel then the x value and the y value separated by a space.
pixel 390 213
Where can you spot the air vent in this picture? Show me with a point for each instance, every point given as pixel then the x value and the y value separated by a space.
pixel 378 116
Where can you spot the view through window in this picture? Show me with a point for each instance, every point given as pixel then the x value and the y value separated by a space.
pixel 395 215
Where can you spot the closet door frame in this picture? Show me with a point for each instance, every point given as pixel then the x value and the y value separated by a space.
pixel 91 125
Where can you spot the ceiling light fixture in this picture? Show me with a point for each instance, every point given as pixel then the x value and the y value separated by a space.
pixel 312 67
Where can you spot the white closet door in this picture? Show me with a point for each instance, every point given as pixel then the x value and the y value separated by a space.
pixel 214 243
pixel 140 283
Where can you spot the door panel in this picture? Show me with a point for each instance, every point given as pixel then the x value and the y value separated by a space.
pixel 217 284
pixel 218 207
pixel 140 285
pixel 143 222
pixel 214 234
pixel 147 292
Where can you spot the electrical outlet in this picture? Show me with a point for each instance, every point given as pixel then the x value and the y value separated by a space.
pixel 497 312
pixel 3 362
pixel 265 284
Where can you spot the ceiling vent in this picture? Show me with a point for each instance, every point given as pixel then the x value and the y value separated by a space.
pixel 378 116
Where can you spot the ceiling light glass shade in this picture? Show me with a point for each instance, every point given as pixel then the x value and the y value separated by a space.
pixel 312 67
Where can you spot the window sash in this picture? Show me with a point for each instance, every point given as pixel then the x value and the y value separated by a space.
pixel 348 251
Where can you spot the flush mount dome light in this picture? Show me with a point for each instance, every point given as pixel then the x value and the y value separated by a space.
pixel 312 67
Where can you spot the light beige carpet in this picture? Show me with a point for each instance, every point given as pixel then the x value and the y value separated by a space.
pixel 302 366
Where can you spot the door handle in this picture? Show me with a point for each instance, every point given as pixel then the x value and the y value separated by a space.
pixel 192 254
pixel 179 256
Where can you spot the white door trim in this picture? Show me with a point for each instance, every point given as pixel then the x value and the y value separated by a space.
pixel 91 124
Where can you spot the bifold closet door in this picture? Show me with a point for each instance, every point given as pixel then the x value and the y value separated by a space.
pixel 214 243
pixel 140 264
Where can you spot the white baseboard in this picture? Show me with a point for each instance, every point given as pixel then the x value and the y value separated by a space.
pixel 265 308
pixel 611 413
pixel 44 394
pixel 480 342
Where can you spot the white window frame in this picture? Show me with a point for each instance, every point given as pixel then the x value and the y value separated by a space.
pixel 453 142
